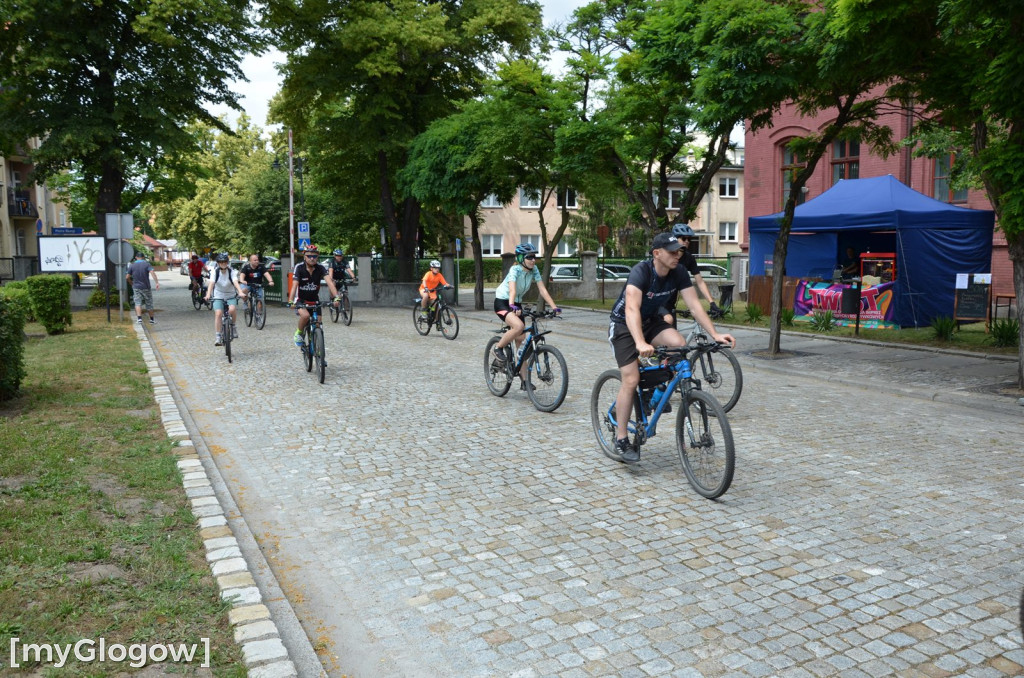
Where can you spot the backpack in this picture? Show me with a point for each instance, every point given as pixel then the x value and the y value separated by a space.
pixel 216 276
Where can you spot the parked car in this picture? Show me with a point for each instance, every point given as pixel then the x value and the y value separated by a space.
pixel 272 263
pixel 712 271
pixel 572 272
pixel 620 270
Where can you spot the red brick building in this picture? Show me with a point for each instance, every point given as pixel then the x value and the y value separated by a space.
pixel 767 161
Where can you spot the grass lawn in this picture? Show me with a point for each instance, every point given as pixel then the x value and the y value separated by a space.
pixel 96 536
pixel 968 338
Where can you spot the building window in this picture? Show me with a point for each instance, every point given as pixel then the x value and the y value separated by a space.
pixel 845 160
pixel 675 198
pixel 791 164
pixel 728 187
pixel 529 198
pixel 727 231
pixel 568 199
pixel 943 191
pixel 19 244
pixel 491 201
pixel 63 219
pixel 490 245
pixel 530 240
pixel 565 249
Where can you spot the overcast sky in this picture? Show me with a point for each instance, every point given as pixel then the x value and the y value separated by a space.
pixel 264 80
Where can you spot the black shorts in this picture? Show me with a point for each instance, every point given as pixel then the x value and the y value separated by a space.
pixel 622 342
pixel 501 307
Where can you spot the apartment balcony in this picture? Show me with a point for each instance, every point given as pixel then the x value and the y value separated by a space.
pixel 19 204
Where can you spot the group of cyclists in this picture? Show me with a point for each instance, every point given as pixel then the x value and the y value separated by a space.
pixel 643 316
pixel 226 288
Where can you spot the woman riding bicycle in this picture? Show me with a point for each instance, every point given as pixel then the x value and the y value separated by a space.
pixel 225 290
pixel 509 297
pixel 432 280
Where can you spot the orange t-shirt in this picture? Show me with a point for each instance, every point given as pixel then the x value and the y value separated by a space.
pixel 432 280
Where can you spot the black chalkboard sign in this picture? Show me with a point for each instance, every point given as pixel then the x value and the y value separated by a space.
pixel 974 302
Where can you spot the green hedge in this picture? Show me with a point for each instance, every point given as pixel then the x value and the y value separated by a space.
pixel 98 298
pixel 51 301
pixel 17 293
pixel 12 347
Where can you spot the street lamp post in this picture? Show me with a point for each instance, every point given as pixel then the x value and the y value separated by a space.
pixel 291 210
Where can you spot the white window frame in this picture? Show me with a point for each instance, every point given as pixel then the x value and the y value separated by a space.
pixel 673 203
pixel 565 248
pixel 569 197
pixel 491 202
pixel 727 231
pixel 531 239
pixel 491 244
pixel 728 187
pixel 528 203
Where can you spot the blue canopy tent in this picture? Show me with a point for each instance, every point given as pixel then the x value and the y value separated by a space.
pixel 933 241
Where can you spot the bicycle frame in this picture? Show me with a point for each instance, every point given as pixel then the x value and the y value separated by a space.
pixel 532 338
pixel 682 380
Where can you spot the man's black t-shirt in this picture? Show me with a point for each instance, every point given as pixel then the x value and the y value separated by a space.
pixel 656 291
pixel 337 268
pixel 252 275
pixel 309 282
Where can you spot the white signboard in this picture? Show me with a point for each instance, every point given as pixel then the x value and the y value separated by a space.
pixel 71 253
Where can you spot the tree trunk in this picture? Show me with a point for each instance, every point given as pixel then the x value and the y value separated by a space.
pixel 478 261
pixel 1016 251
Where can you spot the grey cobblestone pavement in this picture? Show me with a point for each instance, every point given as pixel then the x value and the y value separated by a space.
pixel 420 526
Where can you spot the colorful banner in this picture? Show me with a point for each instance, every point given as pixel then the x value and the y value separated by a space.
pixel 876 307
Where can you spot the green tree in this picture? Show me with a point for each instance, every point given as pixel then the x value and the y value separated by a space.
pixel 373 75
pixel 110 87
pixel 966 69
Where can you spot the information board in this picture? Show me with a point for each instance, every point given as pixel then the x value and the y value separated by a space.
pixel 71 253
pixel 973 297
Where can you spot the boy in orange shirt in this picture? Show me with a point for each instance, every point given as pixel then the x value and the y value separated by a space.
pixel 432 280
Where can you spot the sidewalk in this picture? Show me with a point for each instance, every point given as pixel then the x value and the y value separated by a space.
pixel 942 375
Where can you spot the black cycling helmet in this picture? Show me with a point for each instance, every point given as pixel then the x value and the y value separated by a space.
pixel 223 256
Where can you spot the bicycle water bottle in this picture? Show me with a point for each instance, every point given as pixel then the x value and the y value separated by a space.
pixel 657 395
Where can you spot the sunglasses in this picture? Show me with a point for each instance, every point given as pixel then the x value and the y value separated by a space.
pixel 530 256
pixel 312 256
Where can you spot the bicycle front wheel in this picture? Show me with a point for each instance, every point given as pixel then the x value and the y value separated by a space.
pixel 602 413
pixel 704 443
pixel 497 378
pixel 226 330
pixel 318 354
pixel 248 312
pixel 307 350
pixel 547 378
pixel 335 312
pixel 449 323
pixel 346 310
pixel 421 320
pixel 261 314
pixel 719 372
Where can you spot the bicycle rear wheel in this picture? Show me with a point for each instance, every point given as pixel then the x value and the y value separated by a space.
pixel 318 353
pixel 497 378
pixel 346 310
pixel 247 311
pixel 261 314
pixel 420 320
pixel 307 349
pixel 197 299
pixel 720 374
pixel 449 323
pixel 547 378
pixel 602 414
pixel 705 446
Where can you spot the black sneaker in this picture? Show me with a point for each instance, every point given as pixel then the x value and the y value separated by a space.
pixel 499 359
pixel 523 385
pixel 152 321
pixel 626 451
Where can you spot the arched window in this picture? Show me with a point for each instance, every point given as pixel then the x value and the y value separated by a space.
pixel 791 164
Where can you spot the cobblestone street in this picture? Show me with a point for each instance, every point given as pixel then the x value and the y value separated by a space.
pixel 420 526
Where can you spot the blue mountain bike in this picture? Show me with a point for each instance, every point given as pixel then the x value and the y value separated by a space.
pixel 545 377
pixel 703 435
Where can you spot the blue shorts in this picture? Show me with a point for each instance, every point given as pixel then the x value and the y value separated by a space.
pixel 219 304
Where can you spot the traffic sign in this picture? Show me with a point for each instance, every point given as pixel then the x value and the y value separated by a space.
pixel 458 244
pixel 127 251
pixel 303 243
pixel 120 225
pixel 303 230
pixel 67 231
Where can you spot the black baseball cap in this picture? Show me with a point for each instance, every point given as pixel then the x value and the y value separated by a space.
pixel 666 241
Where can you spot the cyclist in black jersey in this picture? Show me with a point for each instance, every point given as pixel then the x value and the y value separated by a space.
pixel 339 268
pixel 640 319
pixel 306 280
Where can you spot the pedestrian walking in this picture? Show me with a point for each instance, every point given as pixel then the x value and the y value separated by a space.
pixel 138 275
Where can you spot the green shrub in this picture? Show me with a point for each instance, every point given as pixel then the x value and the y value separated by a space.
pixel 98 299
pixel 51 301
pixel 19 296
pixel 754 313
pixel 788 315
pixel 1005 332
pixel 823 321
pixel 12 347
pixel 943 327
